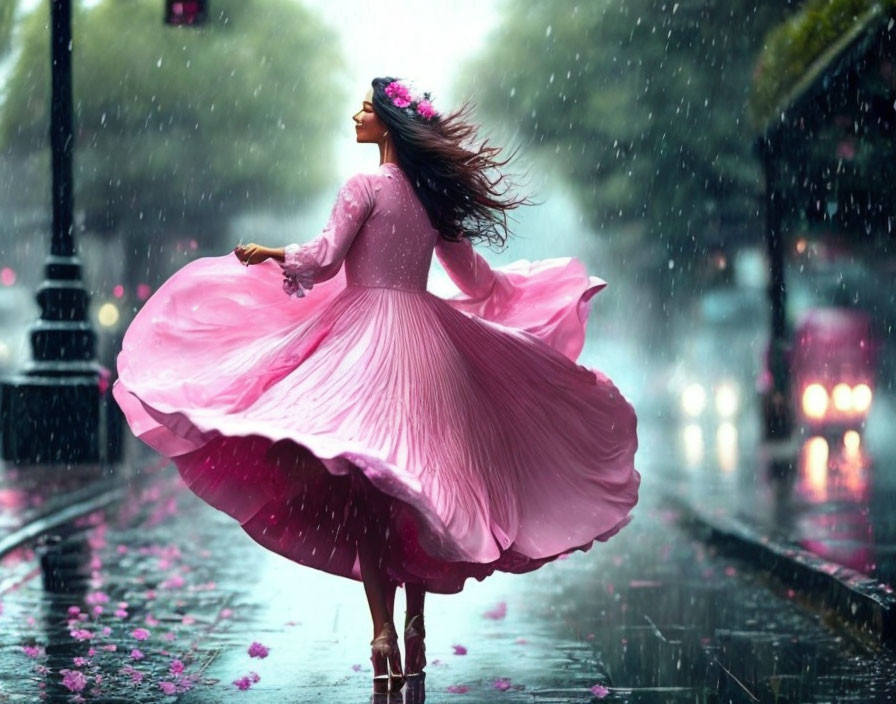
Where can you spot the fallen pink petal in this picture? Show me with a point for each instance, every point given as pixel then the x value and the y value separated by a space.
pixel 176 667
pixel 501 683
pixel 257 650
pixel 97 598
pixel 81 634
pixel 599 691
pixel 168 687
pixel 243 683
pixel 499 612
pixel 137 654
pixel 140 633
pixel 32 651
pixel 73 680
pixel 458 688
pixel 459 650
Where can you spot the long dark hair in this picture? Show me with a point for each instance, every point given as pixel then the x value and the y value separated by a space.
pixel 458 183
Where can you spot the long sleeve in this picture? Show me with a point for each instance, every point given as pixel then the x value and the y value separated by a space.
pixel 466 267
pixel 548 298
pixel 320 259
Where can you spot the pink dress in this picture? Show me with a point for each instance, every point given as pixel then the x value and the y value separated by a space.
pixel 466 422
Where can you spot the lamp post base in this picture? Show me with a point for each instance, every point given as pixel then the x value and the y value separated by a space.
pixel 53 419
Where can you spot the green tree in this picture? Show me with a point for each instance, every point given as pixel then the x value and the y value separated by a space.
pixel 644 105
pixel 178 129
pixel 7 15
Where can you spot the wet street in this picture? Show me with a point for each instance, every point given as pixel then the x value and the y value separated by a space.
pixel 176 603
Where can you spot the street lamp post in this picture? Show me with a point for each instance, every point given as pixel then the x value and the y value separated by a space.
pixel 54 411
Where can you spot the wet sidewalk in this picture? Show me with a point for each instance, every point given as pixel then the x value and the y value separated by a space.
pixel 162 598
pixel 817 509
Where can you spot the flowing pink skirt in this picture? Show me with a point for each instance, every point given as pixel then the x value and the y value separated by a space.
pixel 478 442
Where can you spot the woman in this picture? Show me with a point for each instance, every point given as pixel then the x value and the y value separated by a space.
pixel 369 428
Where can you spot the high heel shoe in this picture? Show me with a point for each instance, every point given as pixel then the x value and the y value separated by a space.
pixel 414 647
pixel 386 659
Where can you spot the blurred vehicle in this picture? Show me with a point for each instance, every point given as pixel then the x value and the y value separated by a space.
pixel 837 303
pixel 719 355
pixel 833 361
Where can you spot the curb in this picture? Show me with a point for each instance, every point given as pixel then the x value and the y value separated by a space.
pixel 856 598
pixel 67 508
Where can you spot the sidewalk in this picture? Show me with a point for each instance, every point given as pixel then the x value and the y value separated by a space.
pixel 816 512
pixel 161 598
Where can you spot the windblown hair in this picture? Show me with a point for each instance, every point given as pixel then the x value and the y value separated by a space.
pixel 458 183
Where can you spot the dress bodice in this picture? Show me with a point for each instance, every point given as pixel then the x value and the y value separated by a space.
pixel 394 245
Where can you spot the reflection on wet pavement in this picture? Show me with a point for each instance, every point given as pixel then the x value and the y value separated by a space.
pixel 830 494
pixel 177 599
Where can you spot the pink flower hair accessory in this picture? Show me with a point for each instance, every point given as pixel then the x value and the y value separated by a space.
pixel 412 105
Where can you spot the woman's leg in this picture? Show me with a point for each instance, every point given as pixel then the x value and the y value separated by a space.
pixel 380 593
pixel 415 594
pixel 380 590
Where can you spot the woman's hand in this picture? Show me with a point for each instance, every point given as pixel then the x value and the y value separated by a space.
pixel 251 253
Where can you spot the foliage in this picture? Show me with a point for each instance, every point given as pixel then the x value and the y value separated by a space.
pixel 7 15
pixel 184 125
pixel 792 46
pixel 642 103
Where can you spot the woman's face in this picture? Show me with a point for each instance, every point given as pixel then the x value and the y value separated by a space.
pixel 368 127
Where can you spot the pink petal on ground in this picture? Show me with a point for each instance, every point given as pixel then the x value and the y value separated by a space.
pixel 257 650
pixel 32 651
pixel 173 582
pixel 499 612
pixel 137 654
pixel 226 613
pixel 97 598
pixel 521 640
pixel 106 630
pixel 81 634
pixel 140 633
pixel 121 613
pixel 74 610
pixel 111 647
pixel 243 683
pixel 459 650
pixel 73 680
pixel 458 688
pixel 356 668
pixel 176 667
pixel 599 691
pixel 501 683
pixel 80 662
pixel 254 676
pixel 168 687
pixel 169 635
pixel 91 652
